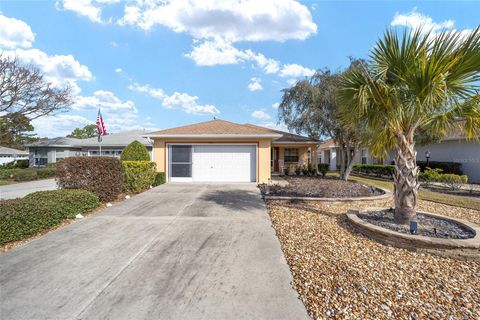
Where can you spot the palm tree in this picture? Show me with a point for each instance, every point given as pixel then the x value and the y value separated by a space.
pixel 415 81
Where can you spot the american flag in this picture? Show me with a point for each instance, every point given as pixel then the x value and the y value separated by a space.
pixel 100 126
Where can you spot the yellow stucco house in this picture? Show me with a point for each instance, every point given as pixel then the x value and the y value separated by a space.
pixel 223 151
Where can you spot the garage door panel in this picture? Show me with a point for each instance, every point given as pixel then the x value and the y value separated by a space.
pixel 224 163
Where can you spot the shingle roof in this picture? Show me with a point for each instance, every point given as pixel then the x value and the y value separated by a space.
pixel 8 151
pixel 114 139
pixel 287 136
pixel 117 139
pixel 227 128
pixel 329 143
pixel 56 142
pixel 214 127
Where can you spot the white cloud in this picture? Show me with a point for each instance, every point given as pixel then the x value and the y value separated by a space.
pixel 59 125
pixel 106 100
pixel 188 104
pixel 153 92
pixel 274 126
pixel 232 20
pixel 177 100
pixel 276 105
pixel 86 8
pixel 215 52
pixel 118 70
pixel 60 70
pixel 296 71
pixel 255 84
pixel 15 33
pixel 415 20
pixel 261 115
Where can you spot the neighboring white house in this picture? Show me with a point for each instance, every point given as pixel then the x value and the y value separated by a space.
pixel 51 150
pixel 454 148
pixel 9 155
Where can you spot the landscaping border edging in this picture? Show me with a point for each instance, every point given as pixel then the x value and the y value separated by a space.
pixel 386 195
pixel 466 248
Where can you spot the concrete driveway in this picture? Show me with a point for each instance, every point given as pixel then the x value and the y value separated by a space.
pixel 19 190
pixel 178 251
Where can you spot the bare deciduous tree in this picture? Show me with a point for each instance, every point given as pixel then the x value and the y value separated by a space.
pixel 24 90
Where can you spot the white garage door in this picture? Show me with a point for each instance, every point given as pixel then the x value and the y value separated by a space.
pixel 224 163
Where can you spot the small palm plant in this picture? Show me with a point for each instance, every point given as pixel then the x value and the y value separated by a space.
pixel 415 82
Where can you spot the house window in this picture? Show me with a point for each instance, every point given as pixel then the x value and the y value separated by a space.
pixel 291 155
pixel 364 156
pixel 319 158
pixel 59 155
pixel 41 157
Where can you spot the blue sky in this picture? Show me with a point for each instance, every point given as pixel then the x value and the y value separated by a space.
pixel 152 65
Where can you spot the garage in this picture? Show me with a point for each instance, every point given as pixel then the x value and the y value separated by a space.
pixel 212 162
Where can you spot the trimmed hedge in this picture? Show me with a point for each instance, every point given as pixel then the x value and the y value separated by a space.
pixel 20 164
pixel 24 217
pixel 159 179
pixel 452 181
pixel 323 168
pixel 447 167
pixel 138 175
pixel 100 175
pixel 135 151
pixel 378 170
pixel 28 174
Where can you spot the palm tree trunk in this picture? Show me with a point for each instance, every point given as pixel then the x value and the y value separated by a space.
pixel 405 179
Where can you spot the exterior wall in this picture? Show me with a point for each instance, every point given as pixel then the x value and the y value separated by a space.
pixel 263 153
pixel 12 157
pixel 52 154
pixel 465 152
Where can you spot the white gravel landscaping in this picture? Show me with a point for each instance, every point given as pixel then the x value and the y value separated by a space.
pixel 341 274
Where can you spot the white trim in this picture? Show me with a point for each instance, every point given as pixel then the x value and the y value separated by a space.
pixel 216 136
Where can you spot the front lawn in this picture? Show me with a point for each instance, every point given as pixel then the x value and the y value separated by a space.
pixel 342 274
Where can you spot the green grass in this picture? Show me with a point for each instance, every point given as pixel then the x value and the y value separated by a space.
pixel 458 201
pixel 4 182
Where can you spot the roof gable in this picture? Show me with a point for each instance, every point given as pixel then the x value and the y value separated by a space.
pixel 215 127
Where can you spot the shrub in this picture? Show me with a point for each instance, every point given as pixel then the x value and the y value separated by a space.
pixel 22 163
pixel 159 179
pixel 311 170
pixel 298 170
pixel 430 175
pixel 24 217
pixel 323 168
pixel 7 173
pixel 453 181
pixel 447 167
pixel 100 175
pixel 305 170
pixel 378 170
pixel 47 172
pixel 138 175
pixel 135 151
pixel 25 174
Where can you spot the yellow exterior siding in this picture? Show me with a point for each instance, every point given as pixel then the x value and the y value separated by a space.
pixel 263 153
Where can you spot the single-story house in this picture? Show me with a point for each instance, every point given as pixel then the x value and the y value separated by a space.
pixel 223 151
pixel 453 148
pixel 8 155
pixel 51 150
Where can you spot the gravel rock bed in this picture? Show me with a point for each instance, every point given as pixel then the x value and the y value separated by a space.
pixel 341 274
pixel 428 226
pixel 317 187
